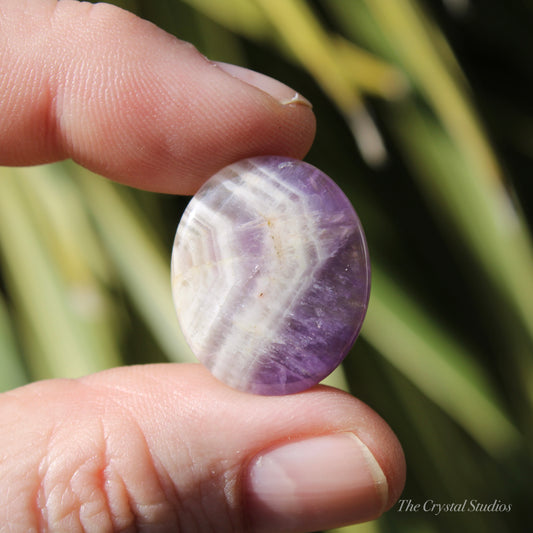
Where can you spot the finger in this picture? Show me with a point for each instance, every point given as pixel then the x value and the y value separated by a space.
pixel 120 96
pixel 170 448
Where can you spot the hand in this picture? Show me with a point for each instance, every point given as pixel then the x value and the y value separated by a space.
pixel 165 447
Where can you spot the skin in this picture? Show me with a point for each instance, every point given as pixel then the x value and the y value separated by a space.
pixel 152 448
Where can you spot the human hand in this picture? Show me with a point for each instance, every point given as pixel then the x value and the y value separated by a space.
pixel 165 447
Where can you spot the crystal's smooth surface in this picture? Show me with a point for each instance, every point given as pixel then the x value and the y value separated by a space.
pixel 270 275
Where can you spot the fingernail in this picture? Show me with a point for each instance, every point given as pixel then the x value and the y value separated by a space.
pixel 314 484
pixel 281 92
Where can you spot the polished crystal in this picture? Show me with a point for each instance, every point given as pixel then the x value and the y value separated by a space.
pixel 270 275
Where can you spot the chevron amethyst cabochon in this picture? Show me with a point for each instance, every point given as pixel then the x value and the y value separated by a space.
pixel 270 275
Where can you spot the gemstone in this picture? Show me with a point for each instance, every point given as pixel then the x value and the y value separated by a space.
pixel 270 275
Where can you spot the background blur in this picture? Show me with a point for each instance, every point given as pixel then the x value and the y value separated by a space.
pixel 425 119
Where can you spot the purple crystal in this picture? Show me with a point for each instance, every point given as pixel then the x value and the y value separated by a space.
pixel 270 275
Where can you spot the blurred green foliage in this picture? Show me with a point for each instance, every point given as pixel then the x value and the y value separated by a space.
pixel 425 119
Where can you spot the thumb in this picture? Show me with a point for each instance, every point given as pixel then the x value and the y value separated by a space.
pixel 97 84
pixel 169 448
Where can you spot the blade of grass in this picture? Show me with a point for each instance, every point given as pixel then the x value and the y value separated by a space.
pixel 371 74
pixel 437 364
pixel 68 238
pixel 61 325
pixel 310 44
pixel 356 21
pixel 12 371
pixel 139 259
pixel 241 16
pixel 218 43
pixel 414 38
pixel 367 527
pixel 476 199
pixel 499 240
pixel 57 203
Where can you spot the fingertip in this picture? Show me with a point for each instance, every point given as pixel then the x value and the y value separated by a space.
pixel 382 443
pixel 385 447
pixel 395 469
pixel 353 473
